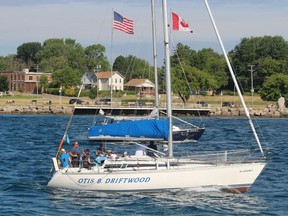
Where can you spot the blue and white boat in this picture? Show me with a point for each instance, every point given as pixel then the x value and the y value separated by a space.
pixel 142 129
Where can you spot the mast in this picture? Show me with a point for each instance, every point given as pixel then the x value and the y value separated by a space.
pixel 111 68
pixel 167 77
pixel 234 78
pixel 155 54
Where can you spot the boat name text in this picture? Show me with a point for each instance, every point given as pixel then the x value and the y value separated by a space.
pixel 114 180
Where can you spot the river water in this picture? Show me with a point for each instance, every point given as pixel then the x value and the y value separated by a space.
pixel 29 141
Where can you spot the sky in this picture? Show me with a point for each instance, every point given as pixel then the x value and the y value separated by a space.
pixel 90 22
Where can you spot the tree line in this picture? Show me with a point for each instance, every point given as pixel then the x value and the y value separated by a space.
pixel 192 71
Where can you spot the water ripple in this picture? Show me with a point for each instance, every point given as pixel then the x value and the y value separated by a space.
pixel 29 141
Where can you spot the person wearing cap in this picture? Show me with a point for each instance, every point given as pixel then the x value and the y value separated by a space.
pixel 111 155
pixel 75 154
pixel 86 159
pixel 64 158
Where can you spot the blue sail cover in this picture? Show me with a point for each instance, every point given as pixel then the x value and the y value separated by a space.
pixel 152 128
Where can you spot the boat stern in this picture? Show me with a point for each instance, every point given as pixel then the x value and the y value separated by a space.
pixel 54 169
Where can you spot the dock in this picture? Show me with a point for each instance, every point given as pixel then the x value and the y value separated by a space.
pixel 138 111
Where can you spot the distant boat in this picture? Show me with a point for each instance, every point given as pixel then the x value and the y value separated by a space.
pixel 231 170
pixel 142 129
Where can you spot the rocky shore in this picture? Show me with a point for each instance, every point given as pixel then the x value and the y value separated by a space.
pixel 35 109
pixel 269 111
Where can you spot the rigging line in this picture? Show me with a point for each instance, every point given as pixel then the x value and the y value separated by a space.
pixel 146 147
pixel 181 120
pixel 183 71
pixel 145 70
pixel 235 72
pixel 176 51
pixel 69 122
pixel 234 78
pixel 102 23
pixel 261 132
pixel 131 66
pixel 95 116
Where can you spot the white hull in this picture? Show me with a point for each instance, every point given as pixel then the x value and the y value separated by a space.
pixel 235 177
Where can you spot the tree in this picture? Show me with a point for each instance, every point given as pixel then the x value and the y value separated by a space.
pixel 275 86
pixel 132 67
pixel 43 82
pixel 203 70
pixel 214 64
pixel 67 77
pixel 268 54
pixel 197 80
pixel 54 63
pixel 27 52
pixel 92 93
pixel 95 55
pixel 11 62
pixel 120 64
pixel 4 83
pixel 60 53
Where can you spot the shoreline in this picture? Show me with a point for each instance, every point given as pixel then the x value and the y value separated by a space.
pixel 267 112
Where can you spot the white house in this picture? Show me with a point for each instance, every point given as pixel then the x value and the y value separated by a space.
pixel 107 79
pixel 89 79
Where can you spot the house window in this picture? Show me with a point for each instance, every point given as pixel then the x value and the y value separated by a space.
pixel 30 77
pixel 115 80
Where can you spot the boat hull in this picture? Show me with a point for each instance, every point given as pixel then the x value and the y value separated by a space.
pixel 192 134
pixel 229 177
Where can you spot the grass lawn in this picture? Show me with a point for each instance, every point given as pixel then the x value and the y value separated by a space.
pixel 213 101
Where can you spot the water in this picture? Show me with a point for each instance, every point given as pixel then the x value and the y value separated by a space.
pixel 29 141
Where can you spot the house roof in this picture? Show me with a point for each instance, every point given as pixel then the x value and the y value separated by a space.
pixel 88 78
pixel 106 75
pixel 140 83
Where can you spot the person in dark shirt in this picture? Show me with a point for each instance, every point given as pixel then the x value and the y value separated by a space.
pixel 86 159
pixel 75 154
pixel 150 149
pixel 100 150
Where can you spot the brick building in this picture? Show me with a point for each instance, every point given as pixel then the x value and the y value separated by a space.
pixel 24 80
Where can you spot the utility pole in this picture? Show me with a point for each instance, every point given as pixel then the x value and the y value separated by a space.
pixel 252 87
pixel 37 67
pixel 97 70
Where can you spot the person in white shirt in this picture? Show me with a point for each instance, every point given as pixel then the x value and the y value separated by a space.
pixel 140 150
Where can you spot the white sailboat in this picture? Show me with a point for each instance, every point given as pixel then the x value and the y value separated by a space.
pixel 233 171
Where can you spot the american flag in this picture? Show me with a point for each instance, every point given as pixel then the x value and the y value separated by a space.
pixel 123 24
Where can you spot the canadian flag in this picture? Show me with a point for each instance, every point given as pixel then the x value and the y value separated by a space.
pixel 179 24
